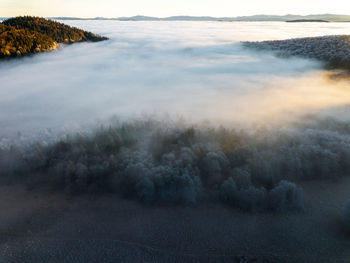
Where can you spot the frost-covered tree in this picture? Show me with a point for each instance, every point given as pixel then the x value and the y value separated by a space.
pixel 286 196
pixel 252 199
pixel 213 167
pixel 247 199
pixel 332 50
pixel 242 178
pixel 228 191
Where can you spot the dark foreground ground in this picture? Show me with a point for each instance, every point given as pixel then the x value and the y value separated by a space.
pixel 46 227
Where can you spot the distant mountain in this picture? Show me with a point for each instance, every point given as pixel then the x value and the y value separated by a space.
pixel 191 18
pixel 307 21
pixel 328 17
pixel 148 18
pixel 325 17
pixel 138 18
pixel 265 18
pixel 172 18
pixel 70 18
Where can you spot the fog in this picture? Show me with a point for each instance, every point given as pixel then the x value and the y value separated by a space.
pixel 198 70
pixel 173 142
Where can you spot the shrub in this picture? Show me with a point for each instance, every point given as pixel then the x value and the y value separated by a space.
pixel 213 167
pixel 228 191
pixel 286 196
pixel 247 199
pixel 161 183
pixel 242 178
pixel 252 199
pixel 176 185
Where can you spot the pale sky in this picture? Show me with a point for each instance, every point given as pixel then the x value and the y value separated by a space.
pixel 163 8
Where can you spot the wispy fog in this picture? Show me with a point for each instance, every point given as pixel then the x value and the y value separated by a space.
pixel 271 182
pixel 198 70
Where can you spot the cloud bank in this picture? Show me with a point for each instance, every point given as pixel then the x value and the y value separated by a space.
pixel 144 71
pixel 199 71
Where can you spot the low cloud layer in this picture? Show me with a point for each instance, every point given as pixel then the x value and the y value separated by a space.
pixel 287 173
pixel 199 71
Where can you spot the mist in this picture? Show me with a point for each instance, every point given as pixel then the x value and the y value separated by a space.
pixel 199 71
pixel 172 136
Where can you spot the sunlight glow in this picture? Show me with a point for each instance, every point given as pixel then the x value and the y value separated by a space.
pixel 161 8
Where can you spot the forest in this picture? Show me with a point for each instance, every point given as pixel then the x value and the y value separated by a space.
pixel 28 35
pixel 333 51
pixel 156 162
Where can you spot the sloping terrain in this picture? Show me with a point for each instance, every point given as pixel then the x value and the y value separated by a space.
pixel 28 35
pixel 16 42
pixel 333 51
pixel 57 31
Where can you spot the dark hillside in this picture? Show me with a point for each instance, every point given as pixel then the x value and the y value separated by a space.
pixel 17 42
pixel 59 32
pixel 307 20
pixel 28 35
pixel 333 51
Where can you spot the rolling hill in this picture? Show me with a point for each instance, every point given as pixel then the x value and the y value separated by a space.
pixel 28 35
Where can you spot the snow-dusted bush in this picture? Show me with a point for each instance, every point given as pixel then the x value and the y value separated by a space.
pixel 70 176
pixel 247 199
pixel 135 182
pixel 145 189
pixel 213 167
pixel 286 196
pixel 346 214
pixel 228 191
pixel 163 141
pixel 176 185
pixel 252 199
pixel 242 178
pixel 160 183
pixel 187 157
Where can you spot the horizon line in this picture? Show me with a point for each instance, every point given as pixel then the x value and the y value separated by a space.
pixel 194 16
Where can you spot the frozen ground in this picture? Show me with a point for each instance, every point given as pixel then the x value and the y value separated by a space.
pixel 41 227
